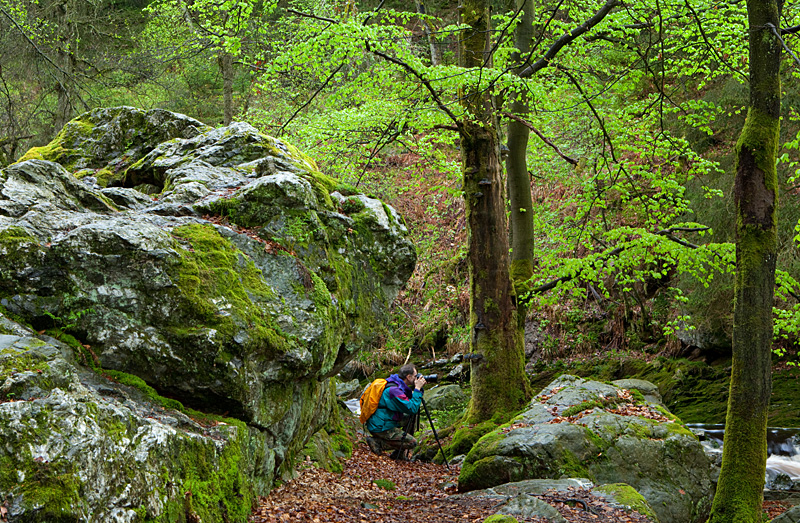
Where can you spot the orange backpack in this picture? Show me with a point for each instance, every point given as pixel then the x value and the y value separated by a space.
pixel 370 398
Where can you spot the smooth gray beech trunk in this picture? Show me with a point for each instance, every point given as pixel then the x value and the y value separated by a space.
pixel 519 185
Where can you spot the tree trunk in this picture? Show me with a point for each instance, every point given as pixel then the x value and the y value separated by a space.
pixel 498 379
pixel 741 482
pixel 436 53
pixel 225 61
pixel 67 42
pixel 519 186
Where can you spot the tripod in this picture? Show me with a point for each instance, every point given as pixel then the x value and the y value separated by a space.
pixel 411 426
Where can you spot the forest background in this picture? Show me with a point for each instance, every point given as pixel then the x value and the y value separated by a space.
pixel 634 110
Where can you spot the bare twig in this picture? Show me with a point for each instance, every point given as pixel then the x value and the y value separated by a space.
pixel 311 99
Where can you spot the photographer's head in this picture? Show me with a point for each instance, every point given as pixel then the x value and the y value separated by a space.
pixel 408 373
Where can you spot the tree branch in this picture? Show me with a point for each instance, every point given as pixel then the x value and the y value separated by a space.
pixel 330 77
pixel 14 139
pixel 594 111
pixel 424 81
pixel 47 58
pixel 568 38
pixel 708 44
pixel 667 233
pixel 790 30
pixel 530 126
pixel 308 15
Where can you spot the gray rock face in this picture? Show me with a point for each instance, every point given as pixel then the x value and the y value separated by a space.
pixel 219 266
pixel 790 516
pixel 445 397
pixel 348 389
pixel 89 449
pixel 610 438
pixel 648 390
pixel 517 498
pixel 528 506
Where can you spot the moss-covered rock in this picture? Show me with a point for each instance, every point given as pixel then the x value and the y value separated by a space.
pixel 627 440
pixel 626 497
pixel 108 140
pixel 80 447
pixel 236 289
pixel 694 391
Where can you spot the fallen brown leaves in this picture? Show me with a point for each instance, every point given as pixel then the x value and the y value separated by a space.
pixel 642 411
pixel 270 246
pixel 580 505
pixel 773 509
pixel 423 494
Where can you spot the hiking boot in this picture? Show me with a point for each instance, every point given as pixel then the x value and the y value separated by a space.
pixel 375 446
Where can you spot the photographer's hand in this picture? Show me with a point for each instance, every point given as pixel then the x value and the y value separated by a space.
pixel 419 383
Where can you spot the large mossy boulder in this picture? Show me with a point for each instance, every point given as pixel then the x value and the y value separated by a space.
pixel 608 434
pixel 78 446
pixel 219 266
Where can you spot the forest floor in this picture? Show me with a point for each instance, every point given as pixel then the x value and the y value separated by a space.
pixel 375 488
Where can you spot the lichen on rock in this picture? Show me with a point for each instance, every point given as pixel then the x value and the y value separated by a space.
pixel 614 436
pixel 218 267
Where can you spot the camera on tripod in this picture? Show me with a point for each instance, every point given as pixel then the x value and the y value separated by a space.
pixel 430 378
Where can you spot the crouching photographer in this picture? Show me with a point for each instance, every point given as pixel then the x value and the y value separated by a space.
pixel 395 418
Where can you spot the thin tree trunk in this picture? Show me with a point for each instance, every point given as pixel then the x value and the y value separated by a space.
pixel 225 61
pixel 436 53
pixel 741 482
pixel 519 188
pixel 67 60
pixel 498 379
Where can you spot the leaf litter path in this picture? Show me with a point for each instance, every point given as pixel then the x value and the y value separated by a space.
pixel 424 493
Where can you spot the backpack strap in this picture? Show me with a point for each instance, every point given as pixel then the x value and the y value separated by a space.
pixel 388 385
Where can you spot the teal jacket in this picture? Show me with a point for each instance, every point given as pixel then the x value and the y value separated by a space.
pixel 397 399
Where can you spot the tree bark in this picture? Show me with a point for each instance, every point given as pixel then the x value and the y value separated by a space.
pixel 66 45
pixel 436 53
pixel 519 187
pixel 498 378
pixel 225 61
pixel 740 488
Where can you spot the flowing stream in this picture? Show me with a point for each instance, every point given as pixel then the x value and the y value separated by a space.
pixel 783 446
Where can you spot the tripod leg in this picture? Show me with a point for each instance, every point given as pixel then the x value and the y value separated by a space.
pixel 435 435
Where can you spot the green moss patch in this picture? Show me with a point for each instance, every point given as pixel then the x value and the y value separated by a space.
pixel 219 490
pixel 213 270
pixel 63 148
pixel 466 437
pixel 628 496
pixel 500 518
